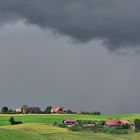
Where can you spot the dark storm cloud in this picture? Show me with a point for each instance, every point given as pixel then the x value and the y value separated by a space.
pixel 116 22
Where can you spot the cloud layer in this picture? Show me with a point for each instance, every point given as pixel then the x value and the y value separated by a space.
pixel 117 23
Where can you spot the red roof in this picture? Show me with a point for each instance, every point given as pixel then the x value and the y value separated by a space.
pixel 69 121
pixel 125 121
pixel 116 122
pixel 59 110
pixel 18 110
pixel 112 122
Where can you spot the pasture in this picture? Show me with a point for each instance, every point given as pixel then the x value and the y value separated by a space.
pixel 51 118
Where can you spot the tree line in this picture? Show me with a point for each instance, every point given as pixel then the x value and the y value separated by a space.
pixel 6 110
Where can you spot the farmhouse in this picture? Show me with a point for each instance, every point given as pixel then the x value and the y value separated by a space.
pixel 69 122
pixel 59 110
pixel 30 109
pixel 18 110
pixel 114 123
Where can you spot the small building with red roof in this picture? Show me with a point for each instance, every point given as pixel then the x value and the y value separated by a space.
pixel 59 110
pixel 114 123
pixel 69 121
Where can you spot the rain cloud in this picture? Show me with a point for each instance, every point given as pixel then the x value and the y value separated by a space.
pixel 115 22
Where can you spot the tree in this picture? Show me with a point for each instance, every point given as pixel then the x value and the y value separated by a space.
pixel 96 113
pixel 24 109
pixel 48 110
pixel 10 111
pixel 69 112
pixel 4 109
pixel 137 124
pixel 12 121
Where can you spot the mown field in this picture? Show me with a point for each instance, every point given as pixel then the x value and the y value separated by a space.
pixel 39 127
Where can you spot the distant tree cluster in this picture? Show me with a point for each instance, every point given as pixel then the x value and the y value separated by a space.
pixel 70 112
pixel 91 113
pixel 48 110
pixel 6 110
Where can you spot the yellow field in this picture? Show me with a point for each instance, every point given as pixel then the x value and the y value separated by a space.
pixel 49 132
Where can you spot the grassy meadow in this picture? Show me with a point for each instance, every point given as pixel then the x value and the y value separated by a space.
pixel 39 127
pixel 49 132
pixel 51 118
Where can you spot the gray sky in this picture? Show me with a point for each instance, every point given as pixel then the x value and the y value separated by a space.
pixel 83 55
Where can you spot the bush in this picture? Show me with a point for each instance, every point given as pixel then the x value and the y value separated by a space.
pixel 124 126
pixel 137 125
pixel 13 122
pixel 76 128
pixel 85 122
pixel 115 131
pixel 110 130
pixel 62 125
pixel 55 123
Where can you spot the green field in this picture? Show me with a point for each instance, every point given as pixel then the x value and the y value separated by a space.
pixel 51 118
pixel 39 127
